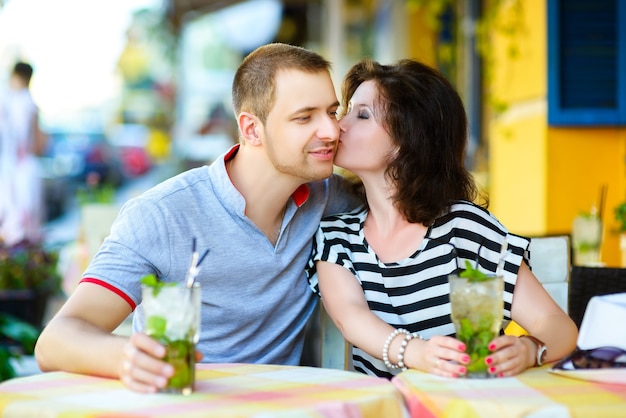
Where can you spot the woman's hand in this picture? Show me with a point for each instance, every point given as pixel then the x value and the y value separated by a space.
pixel 443 356
pixel 510 355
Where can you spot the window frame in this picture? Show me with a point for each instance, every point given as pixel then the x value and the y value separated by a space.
pixel 557 114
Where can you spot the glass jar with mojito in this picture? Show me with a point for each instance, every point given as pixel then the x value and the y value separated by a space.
pixel 172 317
pixel 476 304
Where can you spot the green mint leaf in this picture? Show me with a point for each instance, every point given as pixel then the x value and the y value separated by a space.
pixel 472 274
pixel 152 281
pixel 155 326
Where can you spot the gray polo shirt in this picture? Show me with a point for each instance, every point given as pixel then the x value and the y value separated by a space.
pixel 255 296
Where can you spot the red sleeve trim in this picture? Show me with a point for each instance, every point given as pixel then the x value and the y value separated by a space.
pixel 112 289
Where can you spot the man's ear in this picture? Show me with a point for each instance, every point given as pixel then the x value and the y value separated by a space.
pixel 249 126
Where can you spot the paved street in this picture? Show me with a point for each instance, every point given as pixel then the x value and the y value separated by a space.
pixel 65 229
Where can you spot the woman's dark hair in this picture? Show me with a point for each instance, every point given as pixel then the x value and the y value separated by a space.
pixel 425 117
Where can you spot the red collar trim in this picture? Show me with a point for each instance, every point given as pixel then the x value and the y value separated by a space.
pixel 301 195
pixel 231 152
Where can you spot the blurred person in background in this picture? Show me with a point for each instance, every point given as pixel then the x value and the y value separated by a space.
pixel 21 140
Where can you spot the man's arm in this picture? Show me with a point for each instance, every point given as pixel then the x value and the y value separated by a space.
pixel 79 339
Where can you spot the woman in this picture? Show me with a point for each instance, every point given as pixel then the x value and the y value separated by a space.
pixel 384 268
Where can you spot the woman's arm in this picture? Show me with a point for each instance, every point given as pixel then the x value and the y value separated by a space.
pixel 345 302
pixel 535 311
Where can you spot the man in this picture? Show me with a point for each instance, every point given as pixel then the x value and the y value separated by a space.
pixel 255 210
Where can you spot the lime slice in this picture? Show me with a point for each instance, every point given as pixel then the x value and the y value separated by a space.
pixel 155 326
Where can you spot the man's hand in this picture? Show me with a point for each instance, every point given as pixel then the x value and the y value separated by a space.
pixel 142 369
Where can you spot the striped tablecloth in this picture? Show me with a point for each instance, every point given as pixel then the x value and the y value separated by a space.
pixel 222 390
pixel 534 393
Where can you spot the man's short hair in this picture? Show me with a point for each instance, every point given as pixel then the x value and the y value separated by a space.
pixel 255 80
pixel 24 71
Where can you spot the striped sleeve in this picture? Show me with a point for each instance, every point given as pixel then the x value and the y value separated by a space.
pixel 336 241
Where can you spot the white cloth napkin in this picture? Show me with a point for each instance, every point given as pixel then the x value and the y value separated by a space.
pixel 604 323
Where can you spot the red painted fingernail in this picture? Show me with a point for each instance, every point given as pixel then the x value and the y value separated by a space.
pixel 454 375
pixel 492 370
pixel 462 370
pixel 462 347
pixel 492 347
pixel 488 360
pixel 465 359
pixel 500 374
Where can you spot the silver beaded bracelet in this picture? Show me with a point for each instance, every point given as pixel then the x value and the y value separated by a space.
pixel 388 341
pixel 405 342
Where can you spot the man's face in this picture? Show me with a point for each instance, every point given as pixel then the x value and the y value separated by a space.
pixel 301 130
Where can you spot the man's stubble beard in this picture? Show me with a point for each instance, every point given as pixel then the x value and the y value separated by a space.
pixel 301 169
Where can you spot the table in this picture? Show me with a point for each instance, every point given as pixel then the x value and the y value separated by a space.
pixel 534 393
pixel 222 390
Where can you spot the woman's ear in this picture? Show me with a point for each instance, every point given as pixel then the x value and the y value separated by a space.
pixel 249 126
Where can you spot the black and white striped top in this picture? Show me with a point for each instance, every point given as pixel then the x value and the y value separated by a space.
pixel 414 293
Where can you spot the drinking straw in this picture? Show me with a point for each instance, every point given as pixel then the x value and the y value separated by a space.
pixel 206 252
pixel 195 264
pixel 602 200
pixel 503 253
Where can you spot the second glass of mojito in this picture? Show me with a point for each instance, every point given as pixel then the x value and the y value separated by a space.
pixel 476 310
pixel 172 317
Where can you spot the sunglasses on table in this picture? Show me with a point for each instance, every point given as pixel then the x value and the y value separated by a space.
pixel 596 358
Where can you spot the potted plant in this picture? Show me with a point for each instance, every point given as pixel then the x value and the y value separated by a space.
pixel 28 277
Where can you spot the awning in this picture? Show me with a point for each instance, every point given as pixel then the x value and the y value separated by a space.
pixel 178 9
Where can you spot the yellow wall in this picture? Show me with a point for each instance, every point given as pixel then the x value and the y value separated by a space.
pixel 581 161
pixel 421 42
pixel 517 170
pixel 516 76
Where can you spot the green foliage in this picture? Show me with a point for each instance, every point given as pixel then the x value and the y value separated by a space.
pixel 16 338
pixel 104 193
pixel 620 216
pixel 504 18
pixel 28 265
pixel 24 266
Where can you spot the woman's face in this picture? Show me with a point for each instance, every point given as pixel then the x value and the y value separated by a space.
pixel 364 145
